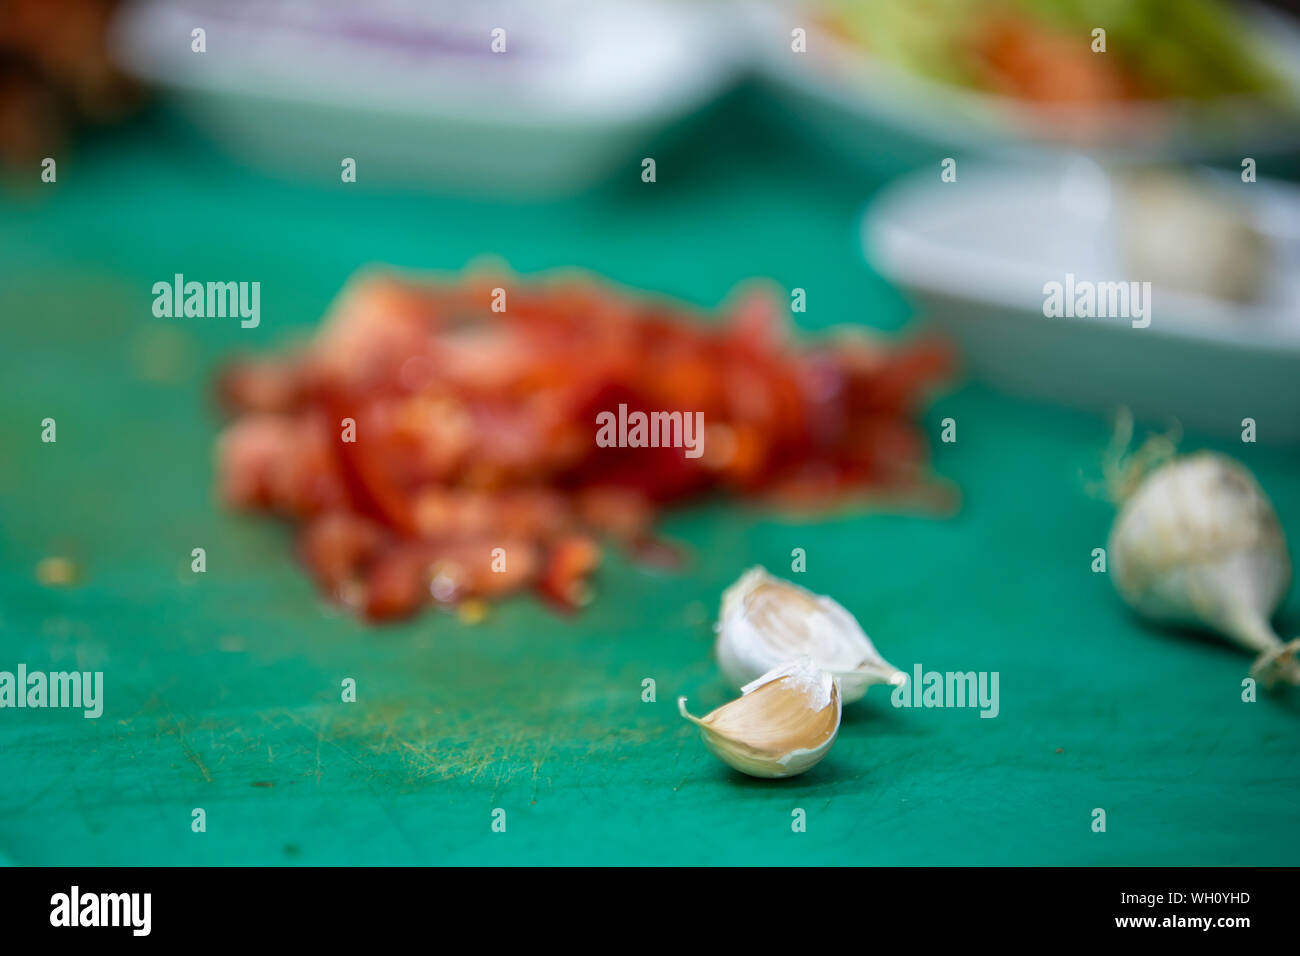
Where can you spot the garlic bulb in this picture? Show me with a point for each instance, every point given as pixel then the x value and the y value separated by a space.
pixel 783 723
pixel 765 621
pixel 1197 542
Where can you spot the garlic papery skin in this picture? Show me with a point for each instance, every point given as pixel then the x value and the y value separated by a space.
pixel 783 723
pixel 1198 543
pixel 765 621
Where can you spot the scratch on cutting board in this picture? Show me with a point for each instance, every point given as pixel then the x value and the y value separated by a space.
pixel 537 767
pixel 170 726
pixel 404 744
pixel 322 739
pixel 504 771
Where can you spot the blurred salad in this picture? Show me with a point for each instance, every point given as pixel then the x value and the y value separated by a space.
pixel 1040 51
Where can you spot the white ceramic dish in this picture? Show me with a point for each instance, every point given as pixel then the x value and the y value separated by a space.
pixel 414 92
pixel 894 118
pixel 976 255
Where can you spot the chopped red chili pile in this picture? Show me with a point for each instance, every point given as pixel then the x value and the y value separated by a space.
pixel 433 449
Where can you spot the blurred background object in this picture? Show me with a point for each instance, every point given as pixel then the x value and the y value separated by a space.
pixel 445 94
pixel 478 430
pixel 890 80
pixel 55 72
pixel 499 96
pixel 1222 259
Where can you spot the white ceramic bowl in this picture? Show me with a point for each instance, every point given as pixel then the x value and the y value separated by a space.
pixel 893 118
pixel 414 92
pixel 976 255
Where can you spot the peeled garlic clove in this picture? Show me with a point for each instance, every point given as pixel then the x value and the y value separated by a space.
pixel 1198 543
pixel 783 723
pixel 765 621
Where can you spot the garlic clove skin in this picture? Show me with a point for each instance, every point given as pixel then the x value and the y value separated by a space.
pixel 765 621
pixel 782 724
pixel 1198 543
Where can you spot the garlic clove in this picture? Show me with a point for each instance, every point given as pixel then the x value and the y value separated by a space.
pixel 765 621
pixel 783 723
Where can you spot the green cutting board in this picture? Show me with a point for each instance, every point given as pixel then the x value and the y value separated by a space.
pixel 223 689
